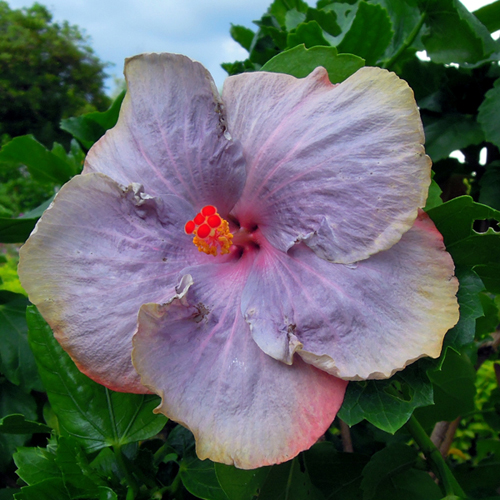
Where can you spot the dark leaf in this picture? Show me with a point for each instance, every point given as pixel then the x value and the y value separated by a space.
pixel 49 489
pixel 449 133
pixel 337 475
pixel 200 479
pixel 16 230
pixel 14 401
pixel 17 424
pixel 289 481
pixel 454 389
pixel 16 359
pixel 240 484
pixel 470 286
pixel 489 185
pixel 488 114
pixel 385 464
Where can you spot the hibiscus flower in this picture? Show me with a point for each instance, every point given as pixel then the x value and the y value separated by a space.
pixel 245 256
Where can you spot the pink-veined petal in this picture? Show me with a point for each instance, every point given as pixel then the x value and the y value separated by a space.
pixel 244 407
pixel 355 321
pixel 171 135
pixel 97 254
pixel 340 166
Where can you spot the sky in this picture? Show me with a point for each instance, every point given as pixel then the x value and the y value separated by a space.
pixel 197 28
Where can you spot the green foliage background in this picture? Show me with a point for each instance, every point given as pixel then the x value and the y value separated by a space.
pixel 62 429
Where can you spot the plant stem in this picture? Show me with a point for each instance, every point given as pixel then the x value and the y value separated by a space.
pixel 435 459
pixel 131 482
pixel 406 43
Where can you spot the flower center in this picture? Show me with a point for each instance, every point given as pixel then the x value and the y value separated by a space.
pixel 211 231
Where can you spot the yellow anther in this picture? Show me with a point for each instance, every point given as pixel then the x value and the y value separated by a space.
pixel 211 232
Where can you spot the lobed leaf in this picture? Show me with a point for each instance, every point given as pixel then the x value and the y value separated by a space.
pixel 378 402
pixel 454 389
pixel 239 484
pixel 455 34
pixel 300 61
pixel 200 479
pixel 369 35
pixel 43 165
pixel 90 127
pixel 17 424
pixel 96 416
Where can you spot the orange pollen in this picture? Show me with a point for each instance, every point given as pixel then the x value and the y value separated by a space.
pixel 211 231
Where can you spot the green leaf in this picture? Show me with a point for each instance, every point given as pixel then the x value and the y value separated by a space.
pixel 279 9
pixel 289 481
pixel 268 42
pixel 293 18
pixel 434 197
pixel 385 464
pixel 106 493
pixel 75 156
pixel 300 61
pixel 78 477
pixel 489 15
pixel 17 362
pixel 411 485
pixel 309 34
pixel 487 324
pixel 387 404
pixel 470 286
pixel 17 424
pixel 242 35
pixel 240 484
pixel 404 20
pixel 449 133
pixel 43 165
pixel 337 475
pixel 369 35
pixel 455 34
pixel 480 481
pixel 454 220
pixel 454 389
pixel 200 479
pixel 35 465
pixel 488 114
pixel 16 230
pixel 326 19
pixel 490 276
pixel 14 401
pixel 49 489
pixel 94 415
pixel 489 185
pixel 90 127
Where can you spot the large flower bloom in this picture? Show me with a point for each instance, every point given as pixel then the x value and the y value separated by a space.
pixel 333 272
